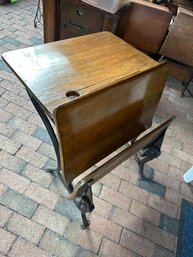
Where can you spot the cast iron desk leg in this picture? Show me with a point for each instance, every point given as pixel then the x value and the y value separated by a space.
pixel 44 118
pixel 84 203
pixel 149 152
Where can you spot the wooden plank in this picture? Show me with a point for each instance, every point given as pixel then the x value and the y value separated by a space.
pixel 178 43
pixel 145 25
pixel 103 170
pixel 50 24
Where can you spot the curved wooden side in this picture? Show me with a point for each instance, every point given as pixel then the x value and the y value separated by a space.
pixel 96 124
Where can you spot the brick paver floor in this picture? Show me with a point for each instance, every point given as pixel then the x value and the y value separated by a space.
pixel 131 219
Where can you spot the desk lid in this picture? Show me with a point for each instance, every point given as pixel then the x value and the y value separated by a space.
pixel 56 72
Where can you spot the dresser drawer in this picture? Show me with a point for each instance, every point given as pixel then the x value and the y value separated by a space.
pixel 78 19
pixel 71 18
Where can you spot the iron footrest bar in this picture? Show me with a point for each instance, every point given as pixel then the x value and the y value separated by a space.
pixel 149 152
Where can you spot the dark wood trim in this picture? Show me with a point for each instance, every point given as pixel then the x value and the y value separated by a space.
pixel 49 14
pixel 54 11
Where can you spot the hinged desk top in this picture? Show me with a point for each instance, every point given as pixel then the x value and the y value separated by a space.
pixel 84 65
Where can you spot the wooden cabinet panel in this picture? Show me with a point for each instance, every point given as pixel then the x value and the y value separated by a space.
pixel 71 18
pixel 49 15
pixel 78 19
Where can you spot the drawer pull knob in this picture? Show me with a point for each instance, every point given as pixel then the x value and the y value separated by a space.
pixel 80 12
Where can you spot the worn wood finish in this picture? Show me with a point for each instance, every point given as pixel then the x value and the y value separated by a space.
pixel 107 167
pixel 71 18
pixel 145 25
pixel 99 123
pixel 77 19
pixel 178 44
pixel 83 64
pixel 179 71
pixel 116 89
pixel 50 20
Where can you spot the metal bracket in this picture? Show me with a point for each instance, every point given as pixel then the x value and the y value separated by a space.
pixel 56 173
pixel 38 15
pixel 85 204
pixel 85 201
pixel 149 152
pixel 50 131
pixel 186 89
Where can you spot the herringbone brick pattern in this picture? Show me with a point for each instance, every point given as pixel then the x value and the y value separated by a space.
pixel 131 219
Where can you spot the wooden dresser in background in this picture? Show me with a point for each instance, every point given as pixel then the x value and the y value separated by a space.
pixel 70 18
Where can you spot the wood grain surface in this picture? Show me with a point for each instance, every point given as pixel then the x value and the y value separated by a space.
pixel 89 62
pixel 94 126
pixel 100 91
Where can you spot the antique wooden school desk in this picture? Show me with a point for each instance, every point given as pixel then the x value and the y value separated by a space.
pixel 100 93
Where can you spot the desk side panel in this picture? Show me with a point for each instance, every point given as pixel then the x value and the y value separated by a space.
pixel 93 126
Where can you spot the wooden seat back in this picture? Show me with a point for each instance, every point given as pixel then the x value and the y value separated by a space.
pixel 145 25
pixel 178 44
pixel 94 125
